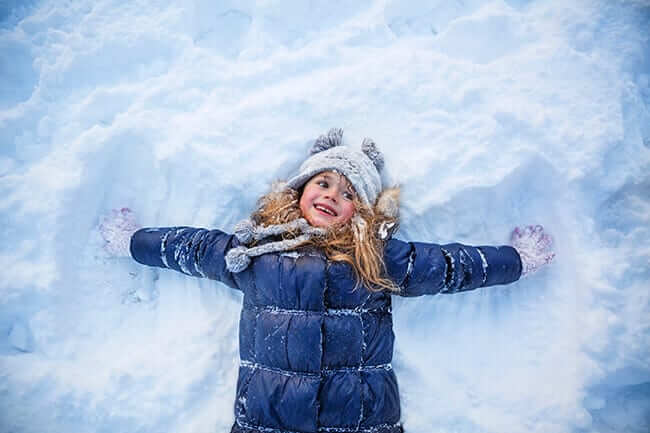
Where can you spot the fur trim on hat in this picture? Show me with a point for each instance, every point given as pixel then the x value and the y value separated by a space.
pixel 388 203
pixel 388 206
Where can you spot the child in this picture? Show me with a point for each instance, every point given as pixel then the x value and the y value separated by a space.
pixel 317 266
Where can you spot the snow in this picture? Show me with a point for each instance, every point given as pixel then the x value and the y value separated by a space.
pixel 490 114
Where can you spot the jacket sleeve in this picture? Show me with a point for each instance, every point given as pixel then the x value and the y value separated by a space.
pixel 192 251
pixel 427 269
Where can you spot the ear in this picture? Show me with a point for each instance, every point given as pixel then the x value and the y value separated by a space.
pixel 370 149
pixel 324 142
pixel 388 203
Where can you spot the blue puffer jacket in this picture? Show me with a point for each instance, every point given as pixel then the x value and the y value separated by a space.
pixel 316 353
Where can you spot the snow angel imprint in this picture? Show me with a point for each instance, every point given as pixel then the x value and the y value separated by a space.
pixel 318 265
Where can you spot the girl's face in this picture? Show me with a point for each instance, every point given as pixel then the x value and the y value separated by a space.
pixel 327 199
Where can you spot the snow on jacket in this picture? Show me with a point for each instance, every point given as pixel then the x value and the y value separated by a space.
pixel 315 353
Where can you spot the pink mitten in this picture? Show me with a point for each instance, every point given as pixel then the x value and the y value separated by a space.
pixel 116 229
pixel 534 247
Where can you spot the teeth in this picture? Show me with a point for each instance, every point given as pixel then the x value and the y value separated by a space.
pixel 324 210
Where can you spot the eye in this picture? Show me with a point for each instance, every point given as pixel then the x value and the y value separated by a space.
pixel 323 183
pixel 348 196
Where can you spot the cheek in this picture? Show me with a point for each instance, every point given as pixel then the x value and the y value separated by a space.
pixel 305 201
pixel 346 212
pixel 302 205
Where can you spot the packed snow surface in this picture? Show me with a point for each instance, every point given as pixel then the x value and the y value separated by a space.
pixel 490 114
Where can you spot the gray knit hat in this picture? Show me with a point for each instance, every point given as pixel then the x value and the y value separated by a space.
pixel 361 168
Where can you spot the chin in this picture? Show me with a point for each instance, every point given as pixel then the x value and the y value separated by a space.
pixel 319 222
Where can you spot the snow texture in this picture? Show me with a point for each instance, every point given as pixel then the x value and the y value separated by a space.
pixel 490 114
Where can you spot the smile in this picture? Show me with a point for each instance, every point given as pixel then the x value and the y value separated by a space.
pixel 326 210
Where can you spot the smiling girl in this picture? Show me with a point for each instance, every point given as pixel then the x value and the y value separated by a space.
pixel 317 265
pixel 328 199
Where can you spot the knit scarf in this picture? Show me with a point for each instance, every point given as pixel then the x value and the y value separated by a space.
pixel 246 231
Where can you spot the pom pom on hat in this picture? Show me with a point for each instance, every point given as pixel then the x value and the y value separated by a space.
pixel 370 149
pixel 333 138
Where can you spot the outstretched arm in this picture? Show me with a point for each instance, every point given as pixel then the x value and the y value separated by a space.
pixel 424 268
pixel 421 268
pixel 192 251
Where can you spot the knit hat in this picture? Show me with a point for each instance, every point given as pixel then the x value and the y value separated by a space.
pixel 361 168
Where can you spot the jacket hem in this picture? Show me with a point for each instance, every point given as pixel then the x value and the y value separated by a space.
pixel 324 371
pixel 244 427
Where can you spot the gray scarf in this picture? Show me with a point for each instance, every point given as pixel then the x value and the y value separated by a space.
pixel 246 231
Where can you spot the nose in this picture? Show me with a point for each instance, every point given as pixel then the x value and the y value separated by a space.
pixel 332 194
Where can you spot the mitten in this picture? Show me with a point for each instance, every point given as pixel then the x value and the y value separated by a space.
pixel 117 229
pixel 534 247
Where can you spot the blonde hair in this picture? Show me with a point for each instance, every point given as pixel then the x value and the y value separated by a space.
pixel 355 242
